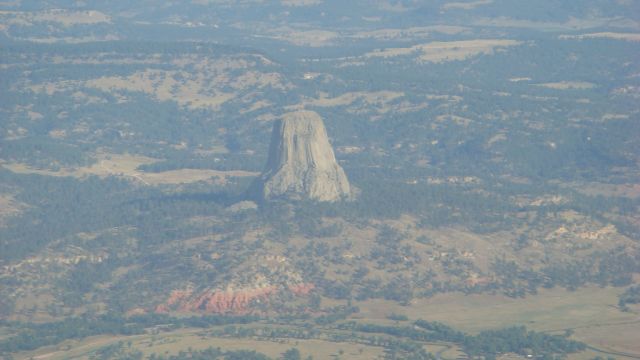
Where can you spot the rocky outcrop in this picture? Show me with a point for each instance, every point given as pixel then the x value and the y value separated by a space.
pixel 301 163
pixel 230 301
pixel 301 289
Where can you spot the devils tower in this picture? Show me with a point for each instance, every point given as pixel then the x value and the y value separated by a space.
pixel 301 163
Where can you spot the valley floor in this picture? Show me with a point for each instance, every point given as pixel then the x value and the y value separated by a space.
pixel 590 314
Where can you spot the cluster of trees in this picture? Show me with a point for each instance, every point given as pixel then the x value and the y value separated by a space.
pixel 487 343
pixel 629 296
pixel 404 339
pixel 219 354
pixel 614 267
pixel 397 331
pixel 63 206
pixel 401 348
pixel 340 313
pixel 213 354
pixel 31 336
pixel 521 341
pixel 119 351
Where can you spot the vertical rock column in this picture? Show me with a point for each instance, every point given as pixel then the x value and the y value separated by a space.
pixel 301 162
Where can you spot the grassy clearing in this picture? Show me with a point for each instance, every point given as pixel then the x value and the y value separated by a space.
pixel 568 85
pixel 410 33
pixel 63 17
pixel 312 38
pixel 604 35
pixel 376 103
pixel 173 342
pixel 595 189
pixel 443 51
pixel 74 349
pixel 466 5
pixel 300 2
pixel 126 165
pixel 590 312
pixel 572 24
pixel 617 337
pixel 9 207
pixel 164 86
pixel 215 81
pixel 550 310
pixel 319 349
pixel 369 98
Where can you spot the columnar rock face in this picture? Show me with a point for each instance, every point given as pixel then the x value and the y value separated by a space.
pixel 301 162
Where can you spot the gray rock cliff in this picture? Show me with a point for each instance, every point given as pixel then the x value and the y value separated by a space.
pixel 301 163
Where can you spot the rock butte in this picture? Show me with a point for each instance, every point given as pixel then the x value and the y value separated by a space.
pixel 301 163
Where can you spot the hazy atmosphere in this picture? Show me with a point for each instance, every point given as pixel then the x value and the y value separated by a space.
pixel 320 179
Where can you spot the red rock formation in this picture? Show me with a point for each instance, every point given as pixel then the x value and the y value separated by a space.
pixel 301 289
pixel 196 303
pixel 236 302
pixel 178 296
pixel 224 301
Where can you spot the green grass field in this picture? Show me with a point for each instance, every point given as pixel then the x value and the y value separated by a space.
pixel 591 312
